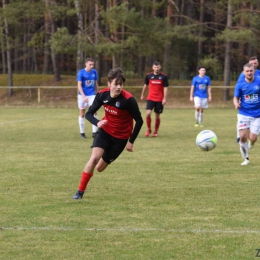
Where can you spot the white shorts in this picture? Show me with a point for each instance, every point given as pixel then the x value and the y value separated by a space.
pixel 200 102
pixel 82 104
pixel 248 122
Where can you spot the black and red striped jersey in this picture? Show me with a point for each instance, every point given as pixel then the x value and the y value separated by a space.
pixel 119 113
pixel 156 84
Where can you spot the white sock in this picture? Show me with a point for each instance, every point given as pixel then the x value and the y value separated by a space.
pixel 200 117
pixel 94 128
pixel 81 124
pixel 238 133
pixel 244 149
pixel 196 115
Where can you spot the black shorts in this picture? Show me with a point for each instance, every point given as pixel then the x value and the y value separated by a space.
pixel 157 106
pixel 112 146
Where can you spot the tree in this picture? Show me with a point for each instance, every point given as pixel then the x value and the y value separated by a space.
pixel 49 9
pixel 227 52
pixel 8 52
pixel 4 67
pixel 80 35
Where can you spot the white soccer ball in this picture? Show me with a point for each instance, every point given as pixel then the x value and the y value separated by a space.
pixel 206 140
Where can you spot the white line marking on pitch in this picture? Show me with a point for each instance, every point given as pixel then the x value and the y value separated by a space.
pixel 29 119
pixel 196 231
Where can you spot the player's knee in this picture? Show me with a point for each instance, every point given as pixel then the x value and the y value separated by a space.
pixel 243 138
pixel 253 139
pixel 100 168
pixel 93 161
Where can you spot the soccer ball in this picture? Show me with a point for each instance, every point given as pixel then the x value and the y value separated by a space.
pixel 206 140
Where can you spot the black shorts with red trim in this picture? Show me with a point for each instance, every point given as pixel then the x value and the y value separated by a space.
pixel 157 106
pixel 112 146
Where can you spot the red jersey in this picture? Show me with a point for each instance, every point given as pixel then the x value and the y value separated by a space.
pixel 119 113
pixel 156 85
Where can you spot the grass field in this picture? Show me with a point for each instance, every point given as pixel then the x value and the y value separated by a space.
pixel 167 200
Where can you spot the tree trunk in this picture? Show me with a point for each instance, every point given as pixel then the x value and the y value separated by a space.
pixel 16 55
pixel 46 58
pixel 8 55
pixel 182 11
pixel 167 48
pixel 4 68
pixel 227 53
pixel 80 32
pixel 250 48
pixel 114 37
pixel 34 60
pixel 141 58
pixel 98 56
pixel 25 49
pixel 200 28
pixel 55 65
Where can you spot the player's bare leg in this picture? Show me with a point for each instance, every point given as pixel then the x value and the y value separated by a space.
pixel 88 171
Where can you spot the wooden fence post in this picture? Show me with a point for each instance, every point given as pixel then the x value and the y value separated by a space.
pixel 39 95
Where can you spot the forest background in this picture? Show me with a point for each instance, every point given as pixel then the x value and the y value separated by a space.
pixel 55 36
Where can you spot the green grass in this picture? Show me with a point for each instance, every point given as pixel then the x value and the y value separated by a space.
pixel 166 200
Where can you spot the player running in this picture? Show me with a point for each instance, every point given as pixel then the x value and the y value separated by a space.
pixel 116 130
pixel 247 101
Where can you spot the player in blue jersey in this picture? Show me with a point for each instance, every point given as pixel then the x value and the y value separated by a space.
pixel 247 101
pixel 200 94
pixel 87 89
pixel 254 61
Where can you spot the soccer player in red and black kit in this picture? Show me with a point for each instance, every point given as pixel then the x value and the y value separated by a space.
pixel 115 131
pixel 156 98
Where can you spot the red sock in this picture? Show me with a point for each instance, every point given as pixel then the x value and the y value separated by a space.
pixel 148 122
pixel 84 180
pixel 157 124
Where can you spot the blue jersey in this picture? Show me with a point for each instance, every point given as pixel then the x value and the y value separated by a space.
pixel 249 95
pixel 242 75
pixel 88 81
pixel 201 86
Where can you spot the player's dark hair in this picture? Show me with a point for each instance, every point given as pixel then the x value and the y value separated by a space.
pixel 156 63
pixel 201 67
pixel 89 59
pixel 118 74
pixel 253 58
